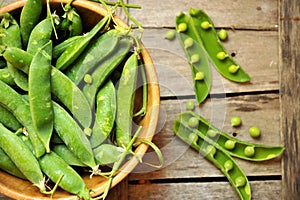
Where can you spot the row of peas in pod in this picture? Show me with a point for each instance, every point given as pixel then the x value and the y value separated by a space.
pixel 202 45
pixel 220 148
pixel 67 97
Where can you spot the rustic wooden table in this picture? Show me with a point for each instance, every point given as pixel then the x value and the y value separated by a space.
pixel 264 37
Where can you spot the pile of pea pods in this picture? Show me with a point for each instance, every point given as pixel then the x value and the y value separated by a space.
pixel 202 44
pixel 66 96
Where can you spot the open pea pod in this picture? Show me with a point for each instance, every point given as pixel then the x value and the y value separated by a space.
pixel 196 54
pixel 217 156
pixel 223 62
pixel 234 147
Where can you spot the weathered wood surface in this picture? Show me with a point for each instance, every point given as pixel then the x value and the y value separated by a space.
pixel 254 14
pixel 290 99
pixel 262 190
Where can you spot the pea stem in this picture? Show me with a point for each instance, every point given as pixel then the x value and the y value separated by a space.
pixel 132 19
pixel 117 3
pixel 117 164
pixel 51 17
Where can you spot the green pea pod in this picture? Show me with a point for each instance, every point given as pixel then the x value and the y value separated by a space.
pixel 29 18
pixel 61 47
pixel 22 157
pixel 54 167
pixel 125 100
pixel 67 155
pixel 72 97
pixel 104 69
pixel 105 114
pixel 7 165
pixel 213 46
pixel 18 58
pixel 20 108
pixel 95 53
pixel 218 157
pixel 6 77
pixel 40 35
pixel 107 154
pixel 12 38
pixel 197 56
pixel 262 152
pixel 8 119
pixel 72 135
pixel 75 49
pixel 61 86
pixel 40 94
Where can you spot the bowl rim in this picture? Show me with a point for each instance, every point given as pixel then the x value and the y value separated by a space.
pixel 152 110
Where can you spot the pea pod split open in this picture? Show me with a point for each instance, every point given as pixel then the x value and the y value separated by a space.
pixel 217 156
pixel 239 149
pixel 225 64
pixel 196 54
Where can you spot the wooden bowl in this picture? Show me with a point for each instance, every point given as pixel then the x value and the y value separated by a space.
pixel 91 13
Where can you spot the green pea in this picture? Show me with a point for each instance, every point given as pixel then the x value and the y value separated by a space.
pixel 190 105
pixel 228 165
pixel 211 150
pixel 222 34
pixel 195 58
pixel 254 131
pixel 170 35
pixel 235 121
pixel 88 78
pixel 193 137
pixel 212 133
pixel 205 25
pixel 233 68
pixel 249 151
pixel 240 181
pixel 230 144
pixel 189 42
pixel 193 122
pixel 199 76
pixel 222 55
pixel 182 27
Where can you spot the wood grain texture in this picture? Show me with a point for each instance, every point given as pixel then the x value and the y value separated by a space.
pixel 261 190
pixel 290 98
pixel 183 162
pixel 255 51
pixel 254 14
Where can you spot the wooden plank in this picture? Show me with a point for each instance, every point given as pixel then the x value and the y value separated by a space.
pixel 290 98
pixel 255 51
pixel 261 190
pixel 183 162
pixel 254 14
